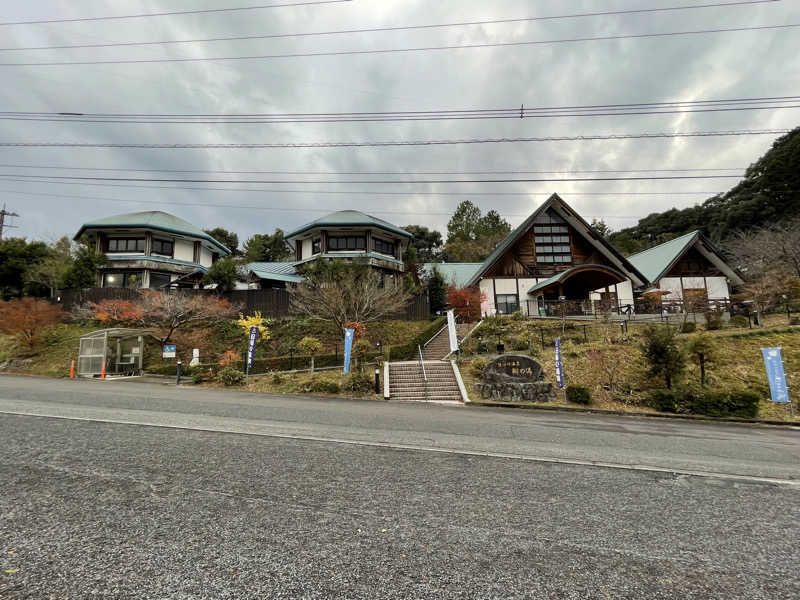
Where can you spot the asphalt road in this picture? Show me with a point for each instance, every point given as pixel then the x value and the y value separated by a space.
pixel 226 495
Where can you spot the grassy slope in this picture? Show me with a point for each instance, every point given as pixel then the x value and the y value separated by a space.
pixel 739 363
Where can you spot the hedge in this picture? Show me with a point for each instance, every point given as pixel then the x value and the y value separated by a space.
pixel 713 403
pixel 409 351
pixel 262 365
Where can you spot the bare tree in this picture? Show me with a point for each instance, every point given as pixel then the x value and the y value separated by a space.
pixel 768 250
pixel 340 292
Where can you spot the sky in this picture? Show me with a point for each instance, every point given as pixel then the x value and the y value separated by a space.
pixel 746 64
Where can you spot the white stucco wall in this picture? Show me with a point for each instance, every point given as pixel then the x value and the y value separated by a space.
pixel 718 287
pixel 505 286
pixel 184 250
pixel 205 256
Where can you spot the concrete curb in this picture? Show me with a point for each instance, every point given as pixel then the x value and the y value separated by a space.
pixel 622 413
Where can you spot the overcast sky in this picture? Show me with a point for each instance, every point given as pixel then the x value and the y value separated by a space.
pixel 713 66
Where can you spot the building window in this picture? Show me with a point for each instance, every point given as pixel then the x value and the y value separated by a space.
pixel 316 246
pixel 158 280
pixel 122 280
pixel 552 244
pixel 383 247
pixel 347 243
pixel 126 245
pixel 507 304
pixel 163 247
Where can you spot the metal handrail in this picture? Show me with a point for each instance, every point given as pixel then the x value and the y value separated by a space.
pixel 435 335
pixel 422 363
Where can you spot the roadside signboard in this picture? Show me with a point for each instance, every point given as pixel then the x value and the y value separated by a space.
pixel 451 330
pixel 775 374
pixel 348 348
pixel 251 347
pixel 168 351
pixel 559 366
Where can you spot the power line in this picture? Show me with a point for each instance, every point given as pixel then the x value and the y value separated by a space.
pixel 621 136
pixel 171 13
pixel 350 192
pixel 387 28
pixel 439 115
pixel 276 208
pixel 395 50
pixel 514 172
pixel 373 181
pixel 529 110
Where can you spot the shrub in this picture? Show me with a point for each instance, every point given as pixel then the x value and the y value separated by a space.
pixel 197 377
pixel 662 353
pixel 230 376
pixel 579 394
pixel 323 385
pixel 519 343
pixel 688 327
pixel 358 383
pixel 725 403
pixel 277 378
pixel 713 320
pixel 739 321
pixel 27 319
pixel 665 400
pixel 478 366
pixel 518 316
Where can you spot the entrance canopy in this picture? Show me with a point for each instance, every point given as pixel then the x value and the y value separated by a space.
pixel 119 349
pixel 576 283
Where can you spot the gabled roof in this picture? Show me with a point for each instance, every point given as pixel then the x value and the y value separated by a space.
pixel 457 274
pixel 276 271
pixel 658 260
pixel 152 219
pixel 576 221
pixel 349 218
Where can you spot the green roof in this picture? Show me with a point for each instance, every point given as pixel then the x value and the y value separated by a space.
pixel 152 219
pixel 457 274
pixel 654 261
pixel 349 218
pixel 277 271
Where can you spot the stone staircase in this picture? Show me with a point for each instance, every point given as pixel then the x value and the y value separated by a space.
pixel 407 384
pixel 439 345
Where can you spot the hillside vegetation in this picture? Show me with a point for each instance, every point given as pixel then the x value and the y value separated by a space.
pixel 607 359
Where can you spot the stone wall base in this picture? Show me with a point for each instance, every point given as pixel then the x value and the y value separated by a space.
pixel 517 392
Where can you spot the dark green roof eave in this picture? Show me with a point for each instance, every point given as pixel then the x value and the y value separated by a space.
pixel 205 236
pixel 366 221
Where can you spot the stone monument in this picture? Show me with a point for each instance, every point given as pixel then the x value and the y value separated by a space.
pixel 515 378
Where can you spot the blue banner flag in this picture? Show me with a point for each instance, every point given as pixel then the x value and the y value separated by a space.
pixel 251 347
pixel 348 348
pixel 775 374
pixel 559 366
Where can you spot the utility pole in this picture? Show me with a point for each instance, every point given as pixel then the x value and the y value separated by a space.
pixel 3 214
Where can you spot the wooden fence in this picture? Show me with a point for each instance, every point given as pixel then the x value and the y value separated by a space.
pixel 271 303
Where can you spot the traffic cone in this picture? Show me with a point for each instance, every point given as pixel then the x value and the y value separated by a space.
pixel 72 370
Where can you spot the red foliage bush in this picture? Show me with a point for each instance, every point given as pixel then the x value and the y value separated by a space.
pixel 26 319
pixel 466 302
